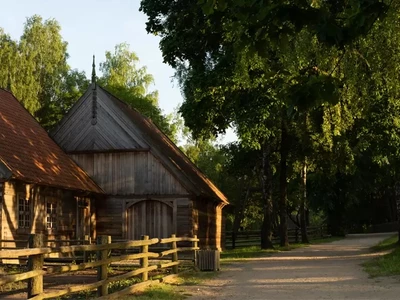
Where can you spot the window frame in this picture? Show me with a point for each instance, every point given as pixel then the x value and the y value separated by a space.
pixel 53 215
pixel 27 211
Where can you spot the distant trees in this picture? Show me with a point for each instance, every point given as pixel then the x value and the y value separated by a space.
pixel 36 71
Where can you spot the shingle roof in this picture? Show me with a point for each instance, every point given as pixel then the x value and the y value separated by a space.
pixel 171 151
pixel 31 155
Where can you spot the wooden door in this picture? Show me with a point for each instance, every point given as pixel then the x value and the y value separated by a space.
pixel 82 218
pixel 149 217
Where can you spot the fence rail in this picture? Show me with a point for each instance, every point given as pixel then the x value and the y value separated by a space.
pixel 253 237
pixel 103 248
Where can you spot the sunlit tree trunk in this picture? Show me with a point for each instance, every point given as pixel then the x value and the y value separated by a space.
pixel 303 202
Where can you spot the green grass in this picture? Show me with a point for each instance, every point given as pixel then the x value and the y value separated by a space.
pixel 173 290
pixel 256 251
pixel 160 291
pixel 385 245
pixel 13 286
pixel 388 264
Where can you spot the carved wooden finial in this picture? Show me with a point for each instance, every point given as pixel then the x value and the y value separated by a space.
pixel 94 70
pixel 94 93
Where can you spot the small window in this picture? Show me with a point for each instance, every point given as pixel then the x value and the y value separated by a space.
pixel 24 209
pixel 51 215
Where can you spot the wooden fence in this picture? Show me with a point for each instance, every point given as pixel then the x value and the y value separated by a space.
pixel 253 238
pixel 102 248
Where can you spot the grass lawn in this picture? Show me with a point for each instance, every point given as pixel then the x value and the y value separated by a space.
pixel 256 251
pixel 385 265
pixel 173 290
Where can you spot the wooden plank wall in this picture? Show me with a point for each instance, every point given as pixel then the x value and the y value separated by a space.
pixel 205 213
pixel 66 213
pixel 111 131
pixel 109 217
pixel 129 173
pixel 150 216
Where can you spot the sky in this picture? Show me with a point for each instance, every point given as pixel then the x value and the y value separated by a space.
pixel 94 27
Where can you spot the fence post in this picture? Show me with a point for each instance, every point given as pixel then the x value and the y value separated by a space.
pixel 86 253
pixel 195 245
pixel 174 255
pixel 296 234
pixel 144 262
pixel 35 262
pixel 102 272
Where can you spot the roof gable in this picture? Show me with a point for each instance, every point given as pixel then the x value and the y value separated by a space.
pixel 95 123
pixel 100 122
pixel 31 155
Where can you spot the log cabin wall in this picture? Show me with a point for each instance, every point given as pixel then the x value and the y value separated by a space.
pixel 129 173
pixel 129 178
pixel 28 209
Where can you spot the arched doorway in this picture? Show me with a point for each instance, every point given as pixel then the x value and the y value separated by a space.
pixel 149 217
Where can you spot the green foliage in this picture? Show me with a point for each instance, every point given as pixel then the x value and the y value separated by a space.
pixel 327 68
pixel 122 77
pixel 33 68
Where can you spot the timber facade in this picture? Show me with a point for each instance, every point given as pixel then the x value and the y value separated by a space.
pixel 42 190
pixel 152 188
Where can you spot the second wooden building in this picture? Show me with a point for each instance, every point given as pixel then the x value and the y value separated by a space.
pixel 152 187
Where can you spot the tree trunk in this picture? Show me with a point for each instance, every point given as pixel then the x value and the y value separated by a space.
pixel 284 240
pixel 239 213
pixel 266 182
pixel 303 220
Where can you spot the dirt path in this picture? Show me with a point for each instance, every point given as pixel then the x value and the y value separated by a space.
pixel 325 271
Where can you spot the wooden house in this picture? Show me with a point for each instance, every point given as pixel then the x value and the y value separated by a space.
pixel 42 190
pixel 152 187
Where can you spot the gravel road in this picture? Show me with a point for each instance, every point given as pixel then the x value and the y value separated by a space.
pixel 325 271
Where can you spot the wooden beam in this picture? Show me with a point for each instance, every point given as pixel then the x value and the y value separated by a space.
pixel 109 151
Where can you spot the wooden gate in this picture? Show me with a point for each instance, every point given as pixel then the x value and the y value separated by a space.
pixel 149 217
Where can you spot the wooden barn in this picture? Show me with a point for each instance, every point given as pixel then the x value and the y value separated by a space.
pixel 42 190
pixel 152 187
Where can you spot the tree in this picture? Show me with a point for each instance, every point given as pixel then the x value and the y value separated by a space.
pixel 34 66
pixel 122 76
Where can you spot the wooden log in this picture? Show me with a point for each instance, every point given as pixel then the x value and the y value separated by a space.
pixel 130 274
pixel 102 269
pixel 23 252
pixel 179 239
pixel 174 255
pixel 144 262
pixel 83 266
pixel 22 276
pixel 172 251
pixel 122 245
pixel 167 265
pixel 35 263
pixel 195 245
pixel 89 286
